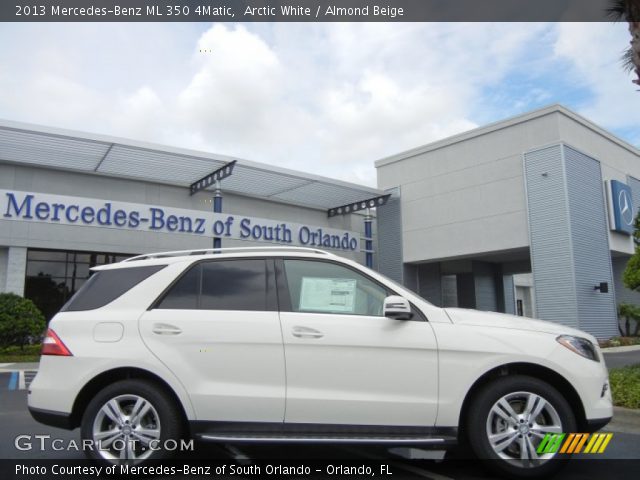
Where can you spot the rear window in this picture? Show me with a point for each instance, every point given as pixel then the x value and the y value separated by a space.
pixel 105 286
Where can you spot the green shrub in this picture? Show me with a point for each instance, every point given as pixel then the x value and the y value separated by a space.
pixel 20 321
pixel 629 312
pixel 15 350
pixel 625 386
pixel 619 342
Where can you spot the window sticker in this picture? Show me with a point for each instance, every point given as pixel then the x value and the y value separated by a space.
pixel 328 294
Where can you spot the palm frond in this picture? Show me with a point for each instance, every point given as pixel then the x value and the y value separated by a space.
pixel 627 60
pixel 616 10
pixel 623 10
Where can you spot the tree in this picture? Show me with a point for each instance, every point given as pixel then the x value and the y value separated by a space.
pixel 631 274
pixel 629 11
pixel 20 320
pixel 629 312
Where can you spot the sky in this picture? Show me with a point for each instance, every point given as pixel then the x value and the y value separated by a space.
pixel 325 98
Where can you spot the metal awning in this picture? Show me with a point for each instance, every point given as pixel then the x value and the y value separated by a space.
pixel 102 155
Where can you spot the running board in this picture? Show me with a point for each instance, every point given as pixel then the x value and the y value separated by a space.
pixel 234 438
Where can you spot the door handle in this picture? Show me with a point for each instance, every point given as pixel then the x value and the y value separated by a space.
pixel 165 329
pixel 306 332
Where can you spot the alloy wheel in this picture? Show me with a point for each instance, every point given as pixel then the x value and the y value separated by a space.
pixel 126 428
pixel 516 425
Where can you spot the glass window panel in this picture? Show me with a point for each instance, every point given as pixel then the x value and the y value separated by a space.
pixel 184 293
pixel 78 270
pixel 51 269
pixel 46 255
pixel 79 257
pixel 107 285
pixel 234 285
pixel 323 287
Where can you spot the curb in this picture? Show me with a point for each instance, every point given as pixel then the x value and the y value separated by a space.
pixel 630 348
pixel 625 420
pixel 18 366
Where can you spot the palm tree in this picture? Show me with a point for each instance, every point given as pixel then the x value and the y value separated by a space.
pixel 629 11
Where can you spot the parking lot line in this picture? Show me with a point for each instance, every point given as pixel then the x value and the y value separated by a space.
pixel 13 381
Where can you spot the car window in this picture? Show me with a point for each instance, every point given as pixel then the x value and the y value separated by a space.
pixel 220 285
pixel 323 287
pixel 106 285
pixel 184 294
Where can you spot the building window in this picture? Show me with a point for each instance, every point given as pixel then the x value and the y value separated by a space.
pixel 53 276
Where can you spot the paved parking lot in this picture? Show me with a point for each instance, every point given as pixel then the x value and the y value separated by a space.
pixel 616 359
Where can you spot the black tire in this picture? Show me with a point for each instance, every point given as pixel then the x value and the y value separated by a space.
pixel 481 420
pixel 161 422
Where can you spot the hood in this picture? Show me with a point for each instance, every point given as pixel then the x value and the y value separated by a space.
pixel 461 316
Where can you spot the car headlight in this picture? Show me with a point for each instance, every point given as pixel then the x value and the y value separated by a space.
pixel 581 346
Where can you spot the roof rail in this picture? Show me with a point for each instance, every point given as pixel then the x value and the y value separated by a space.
pixel 205 251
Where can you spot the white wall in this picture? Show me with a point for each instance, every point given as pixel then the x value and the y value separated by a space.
pixel 466 197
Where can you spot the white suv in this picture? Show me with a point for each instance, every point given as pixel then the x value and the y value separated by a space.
pixel 286 345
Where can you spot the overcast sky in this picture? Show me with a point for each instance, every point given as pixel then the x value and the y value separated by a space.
pixel 323 98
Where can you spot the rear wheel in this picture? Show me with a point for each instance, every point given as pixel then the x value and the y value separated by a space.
pixel 130 421
pixel 509 418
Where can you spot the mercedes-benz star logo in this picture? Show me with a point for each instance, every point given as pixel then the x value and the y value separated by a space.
pixel 624 205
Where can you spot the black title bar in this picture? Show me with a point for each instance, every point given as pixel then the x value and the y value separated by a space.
pixel 303 11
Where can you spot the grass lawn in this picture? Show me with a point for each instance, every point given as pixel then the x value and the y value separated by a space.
pixel 625 386
pixel 30 353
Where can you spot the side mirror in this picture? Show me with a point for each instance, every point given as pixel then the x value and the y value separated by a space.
pixel 397 307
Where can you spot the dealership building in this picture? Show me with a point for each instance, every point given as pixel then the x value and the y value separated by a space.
pixel 70 201
pixel 540 207
pixel 532 215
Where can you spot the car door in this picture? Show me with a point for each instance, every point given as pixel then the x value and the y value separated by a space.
pixel 217 329
pixel 345 362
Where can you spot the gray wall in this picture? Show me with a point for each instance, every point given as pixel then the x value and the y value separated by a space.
pixel 390 239
pixel 70 237
pixel 569 239
pixel 509 294
pixel 590 243
pixel 551 255
pixel 488 287
pixel 4 252
pixel 430 283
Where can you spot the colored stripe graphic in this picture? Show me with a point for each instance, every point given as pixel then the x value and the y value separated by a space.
pixel 567 443
pixel 574 442
pixel 606 441
pixel 550 443
pixel 582 441
pixel 13 381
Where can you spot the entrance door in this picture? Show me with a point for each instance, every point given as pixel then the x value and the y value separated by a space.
pixel 217 329
pixel 345 362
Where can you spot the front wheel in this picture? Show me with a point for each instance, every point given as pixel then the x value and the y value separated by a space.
pixel 508 420
pixel 130 421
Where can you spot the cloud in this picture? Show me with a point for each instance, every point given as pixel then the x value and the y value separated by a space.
pixel 323 98
pixel 593 51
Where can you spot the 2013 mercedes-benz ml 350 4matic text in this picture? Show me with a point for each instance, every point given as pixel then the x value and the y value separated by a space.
pixel 280 344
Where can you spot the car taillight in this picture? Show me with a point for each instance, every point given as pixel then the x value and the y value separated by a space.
pixel 52 345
